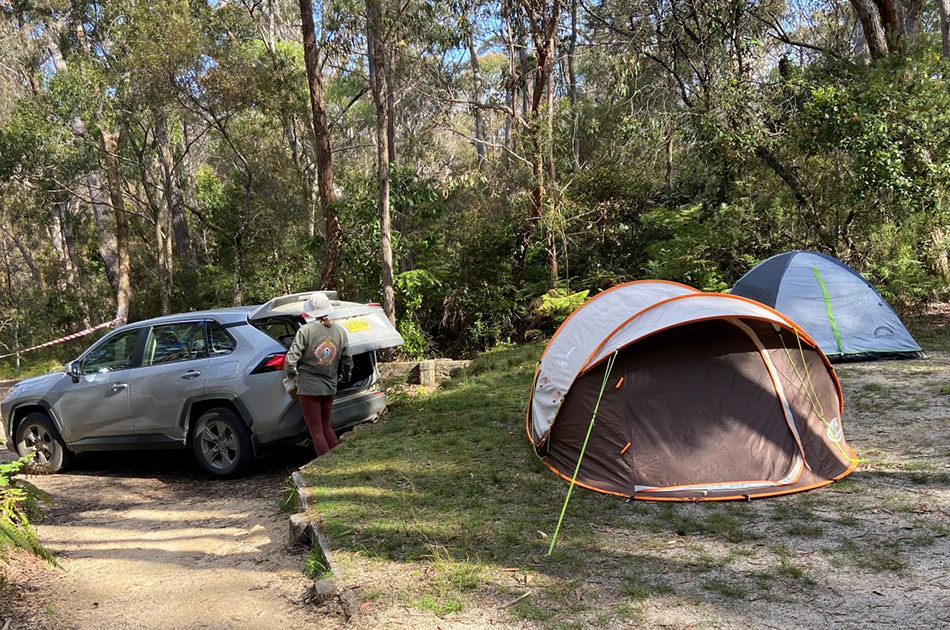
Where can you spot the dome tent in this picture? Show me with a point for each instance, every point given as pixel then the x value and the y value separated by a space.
pixel 841 310
pixel 709 397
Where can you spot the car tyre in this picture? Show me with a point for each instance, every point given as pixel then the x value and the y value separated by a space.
pixel 36 435
pixel 222 443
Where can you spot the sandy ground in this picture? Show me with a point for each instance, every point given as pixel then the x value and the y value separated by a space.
pixel 146 541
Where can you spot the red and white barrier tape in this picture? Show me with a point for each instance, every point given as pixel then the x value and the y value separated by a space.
pixel 76 335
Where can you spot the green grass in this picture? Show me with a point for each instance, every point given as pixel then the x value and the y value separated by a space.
pixel 805 530
pixel 727 589
pixel 878 558
pixel 529 610
pixel 442 608
pixel 315 566
pixel 786 566
pixel 288 497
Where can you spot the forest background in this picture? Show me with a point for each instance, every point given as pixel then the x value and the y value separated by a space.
pixel 478 167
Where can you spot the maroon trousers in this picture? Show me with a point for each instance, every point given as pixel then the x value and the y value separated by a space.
pixel 316 413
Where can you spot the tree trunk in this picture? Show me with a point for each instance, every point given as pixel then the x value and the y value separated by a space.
pixel 572 91
pixel 379 75
pixel 526 96
pixel 162 248
pixel 321 134
pixel 171 187
pixel 669 158
pixel 943 6
pixel 93 181
pixel 510 87
pixel 537 211
pixel 106 241
pixel 870 19
pixel 123 294
pixel 543 24
pixel 58 240
pixel 28 259
pixel 390 66
pixel 238 294
pixel 913 20
pixel 479 130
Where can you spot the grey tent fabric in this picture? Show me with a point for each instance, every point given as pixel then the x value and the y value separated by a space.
pixel 838 308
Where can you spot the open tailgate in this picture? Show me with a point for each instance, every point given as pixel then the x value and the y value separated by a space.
pixel 367 327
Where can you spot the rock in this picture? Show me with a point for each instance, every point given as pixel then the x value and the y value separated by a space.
pixel 427 374
pixel 301 531
pixel 323 591
pixel 415 372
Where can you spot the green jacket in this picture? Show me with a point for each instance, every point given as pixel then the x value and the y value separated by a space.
pixel 319 356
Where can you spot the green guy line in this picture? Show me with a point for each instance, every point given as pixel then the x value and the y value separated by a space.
pixel 831 316
pixel 610 366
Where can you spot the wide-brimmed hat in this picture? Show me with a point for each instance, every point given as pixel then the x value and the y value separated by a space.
pixel 318 305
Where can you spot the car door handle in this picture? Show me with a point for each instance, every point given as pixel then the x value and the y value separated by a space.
pixel 190 374
pixel 118 387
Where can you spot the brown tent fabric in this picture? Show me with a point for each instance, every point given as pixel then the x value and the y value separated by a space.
pixel 720 408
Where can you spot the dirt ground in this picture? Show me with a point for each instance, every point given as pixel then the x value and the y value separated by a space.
pixel 144 540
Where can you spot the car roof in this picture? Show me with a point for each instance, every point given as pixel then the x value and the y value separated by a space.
pixel 223 315
pixel 226 315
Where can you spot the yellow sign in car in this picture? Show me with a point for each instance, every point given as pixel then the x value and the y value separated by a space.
pixel 356 325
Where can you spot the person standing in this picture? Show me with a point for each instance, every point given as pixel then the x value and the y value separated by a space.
pixel 318 357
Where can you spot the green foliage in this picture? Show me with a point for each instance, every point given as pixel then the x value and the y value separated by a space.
pixel 692 163
pixel 415 288
pixel 316 565
pixel 703 249
pixel 557 304
pixel 19 505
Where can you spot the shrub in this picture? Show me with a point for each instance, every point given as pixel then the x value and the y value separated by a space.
pixel 19 505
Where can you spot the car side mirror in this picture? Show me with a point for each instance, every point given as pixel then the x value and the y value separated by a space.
pixel 74 369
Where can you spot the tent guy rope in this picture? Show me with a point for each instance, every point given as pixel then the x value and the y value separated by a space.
pixel 610 367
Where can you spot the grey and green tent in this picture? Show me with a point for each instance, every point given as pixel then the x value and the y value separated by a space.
pixel 838 308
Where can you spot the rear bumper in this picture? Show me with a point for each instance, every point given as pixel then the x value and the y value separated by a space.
pixel 347 411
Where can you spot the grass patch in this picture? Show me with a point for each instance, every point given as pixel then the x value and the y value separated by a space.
pixel 638 589
pixel 315 565
pixel 729 590
pixel 288 498
pixel 442 608
pixel 878 558
pixel 529 610
pixel 805 530
pixel 786 567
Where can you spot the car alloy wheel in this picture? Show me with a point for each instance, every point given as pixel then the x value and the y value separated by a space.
pixel 38 441
pixel 219 445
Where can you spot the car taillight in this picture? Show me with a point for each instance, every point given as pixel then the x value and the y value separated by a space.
pixel 374 304
pixel 271 363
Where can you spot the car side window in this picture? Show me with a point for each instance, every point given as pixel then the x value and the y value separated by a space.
pixel 220 342
pixel 171 343
pixel 114 354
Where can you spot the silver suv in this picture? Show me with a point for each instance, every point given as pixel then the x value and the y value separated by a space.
pixel 210 381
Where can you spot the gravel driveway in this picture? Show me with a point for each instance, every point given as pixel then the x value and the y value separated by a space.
pixel 145 540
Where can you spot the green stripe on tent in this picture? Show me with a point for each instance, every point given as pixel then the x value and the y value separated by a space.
pixel 831 316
